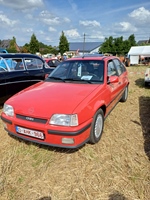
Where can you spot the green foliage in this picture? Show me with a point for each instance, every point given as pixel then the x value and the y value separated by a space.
pixel 34 44
pixel 13 43
pixel 12 47
pixel 44 49
pixel 63 44
pixel 117 46
pixel 12 50
pixel 25 48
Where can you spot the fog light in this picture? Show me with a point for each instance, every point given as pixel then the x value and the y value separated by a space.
pixel 67 140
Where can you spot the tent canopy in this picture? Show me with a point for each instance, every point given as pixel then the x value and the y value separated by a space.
pixel 139 50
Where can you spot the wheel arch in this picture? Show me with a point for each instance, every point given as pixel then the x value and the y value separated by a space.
pixel 103 107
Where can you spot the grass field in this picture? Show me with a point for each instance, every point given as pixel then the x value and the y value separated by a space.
pixel 117 168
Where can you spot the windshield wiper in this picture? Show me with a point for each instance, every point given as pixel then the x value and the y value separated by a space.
pixel 87 81
pixel 72 79
pixel 77 79
pixel 56 78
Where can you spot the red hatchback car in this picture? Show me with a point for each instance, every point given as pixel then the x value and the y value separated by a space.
pixel 68 109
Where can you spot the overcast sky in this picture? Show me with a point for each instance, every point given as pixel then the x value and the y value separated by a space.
pixel 96 19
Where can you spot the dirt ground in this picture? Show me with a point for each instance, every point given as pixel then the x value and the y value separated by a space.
pixel 117 168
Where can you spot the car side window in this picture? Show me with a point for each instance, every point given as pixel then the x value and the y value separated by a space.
pixel 33 63
pixel 120 67
pixel 13 64
pixel 111 70
pixel 17 64
pixel 3 65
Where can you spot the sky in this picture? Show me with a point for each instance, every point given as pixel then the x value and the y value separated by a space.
pixel 80 20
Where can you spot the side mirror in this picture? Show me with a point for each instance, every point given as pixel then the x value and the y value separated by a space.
pixel 112 79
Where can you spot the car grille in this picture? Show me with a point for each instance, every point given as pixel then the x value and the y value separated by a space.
pixel 31 119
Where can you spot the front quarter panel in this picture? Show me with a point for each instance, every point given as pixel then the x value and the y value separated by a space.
pixel 88 107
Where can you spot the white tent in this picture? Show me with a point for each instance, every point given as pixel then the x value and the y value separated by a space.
pixel 137 51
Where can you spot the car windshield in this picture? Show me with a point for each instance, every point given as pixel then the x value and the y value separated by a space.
pixel 87 71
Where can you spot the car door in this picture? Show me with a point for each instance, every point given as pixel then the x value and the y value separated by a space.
pixel 114 87
pixel 36 69
pixel 122 73
pixel 17 77
pixel 2 84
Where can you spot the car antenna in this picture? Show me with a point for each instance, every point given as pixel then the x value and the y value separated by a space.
pixel 83 45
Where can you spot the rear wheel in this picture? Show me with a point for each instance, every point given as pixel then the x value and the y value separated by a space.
pixel 97 127
pixel 125 95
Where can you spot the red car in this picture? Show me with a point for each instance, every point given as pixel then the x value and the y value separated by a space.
pixel 52 62
pixel 68 109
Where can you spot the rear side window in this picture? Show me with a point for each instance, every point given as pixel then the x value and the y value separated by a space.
pixel 120 67
pixel 33 63
pixel 111 69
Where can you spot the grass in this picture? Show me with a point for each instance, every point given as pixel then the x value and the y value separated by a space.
pixel 117 168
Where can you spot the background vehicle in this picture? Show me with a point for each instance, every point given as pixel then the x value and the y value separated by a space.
pixel 18 71
pixel 52 62
pixel 147 77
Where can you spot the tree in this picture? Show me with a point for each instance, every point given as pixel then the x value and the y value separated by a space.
pixel 117 46
pixel 34 44
pixel 25 48
pixel 107 46
pixel 44 49
pixel 131 40
pixel 13 46
pixel 63 44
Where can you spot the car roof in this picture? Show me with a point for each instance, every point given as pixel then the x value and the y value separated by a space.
pixel 19 55
pixel 93 57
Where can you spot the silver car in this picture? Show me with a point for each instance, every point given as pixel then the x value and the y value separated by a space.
pixel 147 77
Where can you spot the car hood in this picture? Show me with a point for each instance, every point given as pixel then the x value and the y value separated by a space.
pixel 45 98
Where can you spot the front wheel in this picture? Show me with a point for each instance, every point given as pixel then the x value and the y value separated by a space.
pixel 125 95
pixel 97 127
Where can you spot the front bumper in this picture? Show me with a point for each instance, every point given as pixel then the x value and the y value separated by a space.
pixel 57 136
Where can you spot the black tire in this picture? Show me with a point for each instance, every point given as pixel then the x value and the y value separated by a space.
pixel 146 84
pixel 97 127
pixel 125 95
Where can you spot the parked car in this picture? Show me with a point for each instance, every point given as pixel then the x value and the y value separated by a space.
pixel 147 77
pixel 70 106
pixel 52 62
pixel 18 71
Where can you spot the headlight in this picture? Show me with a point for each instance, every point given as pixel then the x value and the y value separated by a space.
pixel 8 110
pixel 64 120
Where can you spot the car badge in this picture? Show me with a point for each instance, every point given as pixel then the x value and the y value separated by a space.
pixel 30 118
pixel 31 110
